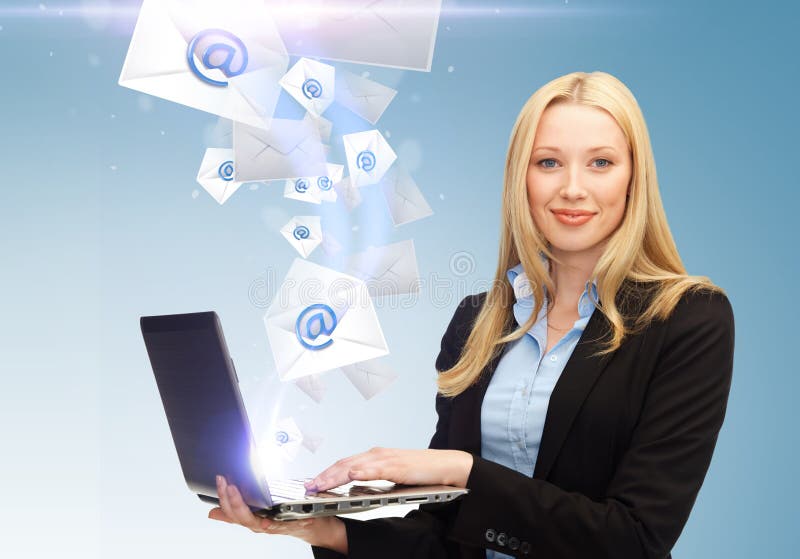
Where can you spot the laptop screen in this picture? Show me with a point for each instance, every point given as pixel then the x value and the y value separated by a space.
pixel 199 390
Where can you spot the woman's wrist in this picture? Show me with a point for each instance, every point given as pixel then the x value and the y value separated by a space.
pixel 461 469
pixel 337 536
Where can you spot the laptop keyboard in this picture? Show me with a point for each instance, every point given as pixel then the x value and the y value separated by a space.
pixel 294 490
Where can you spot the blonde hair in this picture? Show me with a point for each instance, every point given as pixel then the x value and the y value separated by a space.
pixel 641 250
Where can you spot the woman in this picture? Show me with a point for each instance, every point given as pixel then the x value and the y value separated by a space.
pixel 580 398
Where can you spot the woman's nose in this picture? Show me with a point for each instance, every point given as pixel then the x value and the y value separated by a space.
pixel 572 188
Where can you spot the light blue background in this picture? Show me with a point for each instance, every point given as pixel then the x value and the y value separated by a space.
pixel 100 226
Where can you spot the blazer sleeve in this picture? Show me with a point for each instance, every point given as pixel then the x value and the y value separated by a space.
pixel 652 492
pixel 421 533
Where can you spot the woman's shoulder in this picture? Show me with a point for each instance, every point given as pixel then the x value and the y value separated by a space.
pixel 465 314
pixel 701 317
pixel 706 296
pixel 702 303
pixel 697 300
pixel 468 308
pixel 702 306
pixel 473 302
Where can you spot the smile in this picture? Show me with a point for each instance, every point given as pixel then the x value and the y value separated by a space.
pixel 572 219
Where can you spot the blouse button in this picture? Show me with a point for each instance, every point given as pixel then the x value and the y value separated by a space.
pixel 554 358
pixel 501 539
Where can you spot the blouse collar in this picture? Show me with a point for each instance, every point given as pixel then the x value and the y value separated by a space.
pixel 524 293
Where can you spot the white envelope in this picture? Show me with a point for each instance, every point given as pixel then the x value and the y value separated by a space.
pixel 302 334
pixel 326 184
pixel 366 98
pixel 159 61
pixel 312 84
pixel 216 174
pixel 315 189
pixel 403 198
pixel 289 149
pixel 287 438
pixel 348 193
pixel 312 385
pixel 394 33
pixel 304 233
pixel 387 270
pixel 370 377
pixel 369 157
pixel 303 189
pixel 323 125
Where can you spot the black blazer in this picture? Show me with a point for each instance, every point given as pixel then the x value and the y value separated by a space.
pixel 627 442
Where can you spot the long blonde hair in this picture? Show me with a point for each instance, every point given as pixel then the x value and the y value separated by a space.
pixel 641 250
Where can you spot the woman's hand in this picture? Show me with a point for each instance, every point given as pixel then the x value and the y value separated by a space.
pixel 322 531
pixel 408 467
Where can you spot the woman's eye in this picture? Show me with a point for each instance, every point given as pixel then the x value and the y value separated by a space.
pixel 546 163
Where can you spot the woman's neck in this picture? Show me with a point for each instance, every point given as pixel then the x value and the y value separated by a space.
pixel 571 275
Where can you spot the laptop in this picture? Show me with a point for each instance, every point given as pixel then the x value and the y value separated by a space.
pixel 197 382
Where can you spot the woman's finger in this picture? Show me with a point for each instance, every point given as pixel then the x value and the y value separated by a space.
pixel 285 527
pixel 367 469
pixel 392 465
pixel 241 512
pixel 324 479
pixel 367 473
pixel 339 473
pixel 218 514
pixel 222 494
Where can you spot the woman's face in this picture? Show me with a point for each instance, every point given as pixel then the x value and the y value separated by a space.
pixel 580 161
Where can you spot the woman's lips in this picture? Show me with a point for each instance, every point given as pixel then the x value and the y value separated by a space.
pixel 568 219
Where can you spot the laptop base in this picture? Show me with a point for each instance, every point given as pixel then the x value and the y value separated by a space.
pixel 330 506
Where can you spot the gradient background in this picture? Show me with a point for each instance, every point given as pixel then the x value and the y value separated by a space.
pixel 102 222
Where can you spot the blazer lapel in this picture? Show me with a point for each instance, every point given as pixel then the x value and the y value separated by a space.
pixel 571 389
pixel 580 374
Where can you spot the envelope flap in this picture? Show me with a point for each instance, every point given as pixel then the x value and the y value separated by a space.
pixel 335 172
pixel 373 367
pixel 360 141
pixel 390 262
pixel 248 21
pixel 374 264
pixel 369 377
pixel 286 135
pixel 390 20
pixel 407 187
pixel 212 159
pixel 358 86
pixel 147 57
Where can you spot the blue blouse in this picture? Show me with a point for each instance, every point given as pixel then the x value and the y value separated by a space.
pixel 515 404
